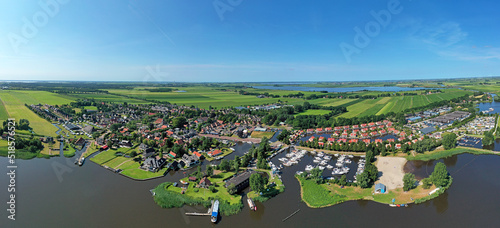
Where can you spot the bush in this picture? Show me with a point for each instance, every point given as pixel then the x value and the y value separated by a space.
pixel 426 183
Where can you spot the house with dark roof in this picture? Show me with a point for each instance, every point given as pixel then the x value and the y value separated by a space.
pixel 148 153
pixel 241 181
pixel 89 129
pixel 80 142
pixel 204 182
pixel 153 164
pixel 427 130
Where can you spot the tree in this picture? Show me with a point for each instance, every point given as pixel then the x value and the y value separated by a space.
pixel 343 180
pixel 236 166
pixel 210 170
pixel 426 183
pixel 408 181
pixel 224 165
pixel 231 189
pixel 363 180
pixel 257 182
pixel 449 140
pixel 179 122
pixel 488 139
pixel 440 176
pixel 212 188
pixel 316 175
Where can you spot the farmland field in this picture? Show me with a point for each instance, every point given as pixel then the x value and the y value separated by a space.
pixel 3 112
pixel 314 112
pixel 200 96
pixel 107 98
pixel 14 104
pixel 398 104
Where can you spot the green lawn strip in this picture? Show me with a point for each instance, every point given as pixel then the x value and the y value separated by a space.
pixel 313 112
pixel 316 196
pixel 70 152
pixel 260 134
pixel 447 153
pixel 104 157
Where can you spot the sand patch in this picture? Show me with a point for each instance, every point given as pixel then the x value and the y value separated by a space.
pixel 392 171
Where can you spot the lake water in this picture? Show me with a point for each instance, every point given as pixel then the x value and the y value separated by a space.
pixel 342 89
pixel 90 196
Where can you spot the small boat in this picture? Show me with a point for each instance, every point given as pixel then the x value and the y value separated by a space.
pixel 299 172
pixel 80 163
pixel 329 166
pixel 215 212
pixel 251 204
pixel 321 167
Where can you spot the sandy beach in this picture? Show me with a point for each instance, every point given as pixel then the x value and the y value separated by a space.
pixel 392 172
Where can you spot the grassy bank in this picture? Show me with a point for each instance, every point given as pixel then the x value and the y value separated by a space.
pixel 324 195
pixel 275 186
pixel 433 155
pixel 129 167
pixel 69 152
pixel 168 196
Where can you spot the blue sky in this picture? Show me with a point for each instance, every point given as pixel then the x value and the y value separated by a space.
pixel 248 40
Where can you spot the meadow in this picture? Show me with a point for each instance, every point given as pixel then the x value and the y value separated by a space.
pixel 13 102
pixel 384 105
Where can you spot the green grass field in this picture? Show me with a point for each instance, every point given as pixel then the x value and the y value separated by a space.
pixel 260 134
pixel 14 104
pixel 313 112
pixel 384 105
pixel 202 97
pixel 104 157
pixel 108 98
pixel 3 112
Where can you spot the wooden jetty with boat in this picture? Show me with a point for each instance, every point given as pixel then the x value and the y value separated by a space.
pixel 213 212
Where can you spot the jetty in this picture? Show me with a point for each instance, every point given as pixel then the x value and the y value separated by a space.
pixel 291 215
pixel 209 212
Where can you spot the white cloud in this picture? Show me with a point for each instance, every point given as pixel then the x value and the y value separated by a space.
pixel 442 35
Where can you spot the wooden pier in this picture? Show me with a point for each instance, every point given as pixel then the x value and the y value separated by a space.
pixel 209 212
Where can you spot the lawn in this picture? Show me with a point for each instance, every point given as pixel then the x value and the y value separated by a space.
pixel 104 157
pixel 47 149
pixel 313 112
pixel 324 195
pixel 315 195
pixel 69 152
pixel 129 167
pixel 261 134
pixel 132 170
